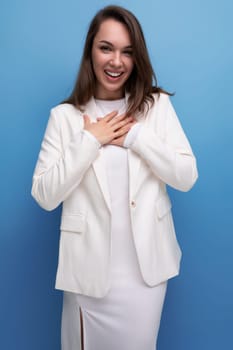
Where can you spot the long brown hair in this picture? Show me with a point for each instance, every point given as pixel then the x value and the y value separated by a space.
pixel 142 82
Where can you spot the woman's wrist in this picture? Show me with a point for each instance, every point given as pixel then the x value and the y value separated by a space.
pixel 92 137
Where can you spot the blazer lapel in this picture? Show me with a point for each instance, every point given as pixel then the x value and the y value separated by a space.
pixel 98 164
pixel 100 171
pixel 134 162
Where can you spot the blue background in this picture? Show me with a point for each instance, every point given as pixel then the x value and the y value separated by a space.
pixel 190 43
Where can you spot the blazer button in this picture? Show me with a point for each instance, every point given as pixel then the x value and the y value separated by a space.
pixel 133 204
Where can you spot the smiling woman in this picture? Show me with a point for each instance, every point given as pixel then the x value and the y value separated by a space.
pixel 107 155
pixel 141 83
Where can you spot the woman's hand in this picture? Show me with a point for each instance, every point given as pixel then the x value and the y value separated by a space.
pixel 119 141
pixel 111 129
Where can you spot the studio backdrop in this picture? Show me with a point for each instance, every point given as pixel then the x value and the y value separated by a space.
pixel 190 44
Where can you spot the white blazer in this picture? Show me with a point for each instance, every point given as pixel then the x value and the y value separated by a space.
pixel 70 171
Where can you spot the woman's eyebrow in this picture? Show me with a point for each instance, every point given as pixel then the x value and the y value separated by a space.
pixel 109 43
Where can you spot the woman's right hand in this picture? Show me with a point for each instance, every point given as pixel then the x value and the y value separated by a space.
pixel 109 127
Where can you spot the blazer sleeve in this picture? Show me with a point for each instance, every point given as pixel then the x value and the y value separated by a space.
pixel 168 154
pixel 58 171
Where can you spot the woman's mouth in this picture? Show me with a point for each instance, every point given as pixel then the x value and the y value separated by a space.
pixel 113 75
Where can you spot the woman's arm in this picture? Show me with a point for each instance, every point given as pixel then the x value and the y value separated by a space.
pixel 58 171
pixel 169 156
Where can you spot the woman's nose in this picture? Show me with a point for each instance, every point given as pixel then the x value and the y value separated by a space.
pixel 116 59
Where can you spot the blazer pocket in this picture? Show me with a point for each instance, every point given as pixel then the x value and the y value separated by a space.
pixel 163 206
pixel 73 223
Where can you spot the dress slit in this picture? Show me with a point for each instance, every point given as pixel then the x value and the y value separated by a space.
pixel 81 329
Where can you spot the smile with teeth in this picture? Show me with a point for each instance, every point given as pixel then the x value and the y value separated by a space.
pixel 113 74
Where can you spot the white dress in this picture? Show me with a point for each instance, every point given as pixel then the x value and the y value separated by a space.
pixel 128 317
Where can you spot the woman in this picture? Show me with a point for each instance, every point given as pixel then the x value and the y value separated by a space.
pixel 107 155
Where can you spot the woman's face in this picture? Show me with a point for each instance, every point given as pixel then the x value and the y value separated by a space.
pixel 112 59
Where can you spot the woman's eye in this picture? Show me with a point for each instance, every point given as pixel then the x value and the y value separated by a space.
pixel 128 53
pixel 105 48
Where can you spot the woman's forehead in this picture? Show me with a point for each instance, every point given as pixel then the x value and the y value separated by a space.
pixel 113 32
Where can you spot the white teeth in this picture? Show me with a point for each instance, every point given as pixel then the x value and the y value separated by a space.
pixel 113 74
